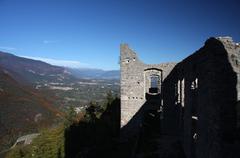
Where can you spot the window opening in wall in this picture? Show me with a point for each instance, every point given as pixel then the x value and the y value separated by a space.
pixel 181 102
pixel 127 60
pixel 182 92
pixel 194 84
pixel 154 84
pixel 194 96
pixel 154 81
pixel 179 92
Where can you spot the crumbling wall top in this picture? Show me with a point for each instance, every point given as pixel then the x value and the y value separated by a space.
pixel 227 40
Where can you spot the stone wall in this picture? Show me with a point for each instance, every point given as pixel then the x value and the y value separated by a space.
pixel 200 98
pixel 135 82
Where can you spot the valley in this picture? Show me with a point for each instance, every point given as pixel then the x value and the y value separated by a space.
pixel 81 92
pixel 36 95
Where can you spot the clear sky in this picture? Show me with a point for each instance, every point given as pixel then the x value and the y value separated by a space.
pixel 88 33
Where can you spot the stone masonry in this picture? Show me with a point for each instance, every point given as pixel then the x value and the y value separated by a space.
pixel 200 97
pixel 135 81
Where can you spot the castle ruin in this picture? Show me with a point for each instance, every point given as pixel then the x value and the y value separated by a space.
pixel 198 97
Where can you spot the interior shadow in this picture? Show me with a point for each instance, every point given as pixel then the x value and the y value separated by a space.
pixel 205 86
pixel 145 122
pixel 150 108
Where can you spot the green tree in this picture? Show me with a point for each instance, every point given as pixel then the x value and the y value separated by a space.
pixel 90 115
pixel 70 117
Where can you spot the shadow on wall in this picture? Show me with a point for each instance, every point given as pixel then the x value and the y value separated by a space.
pixel 150 107
pixel 200 99
pixel 100 137
pixel 149 141
pixel 238 120
pixel 199 117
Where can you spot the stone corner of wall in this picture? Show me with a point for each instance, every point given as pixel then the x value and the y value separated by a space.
pixel 124 45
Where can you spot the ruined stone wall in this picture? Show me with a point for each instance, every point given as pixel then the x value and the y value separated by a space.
pixel 200 98
pixel 135 82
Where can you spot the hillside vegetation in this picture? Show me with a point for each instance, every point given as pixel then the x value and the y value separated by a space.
pixel 23 110
pixel 77 134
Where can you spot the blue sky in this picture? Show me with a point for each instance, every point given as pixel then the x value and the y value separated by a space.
pixel 87 33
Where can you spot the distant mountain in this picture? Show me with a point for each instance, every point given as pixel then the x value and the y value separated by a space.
pixel 35 71
pixel 22 110
pixel 94 73
pixel 32 71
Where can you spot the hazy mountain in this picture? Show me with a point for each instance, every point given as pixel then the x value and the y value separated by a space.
pixel 94 73
pixel 35 71
pixel 32 71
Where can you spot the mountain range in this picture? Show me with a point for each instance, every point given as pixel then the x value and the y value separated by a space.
pixel 88 73
pixel 34 71
pixel 31 71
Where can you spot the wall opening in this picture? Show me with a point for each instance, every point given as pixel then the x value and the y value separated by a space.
pixel 154 84
pixel 194 111
pixel 152 80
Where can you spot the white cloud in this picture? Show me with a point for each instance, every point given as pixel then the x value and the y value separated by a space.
pixel 49 41
pixel 7 48
pixel 65 63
